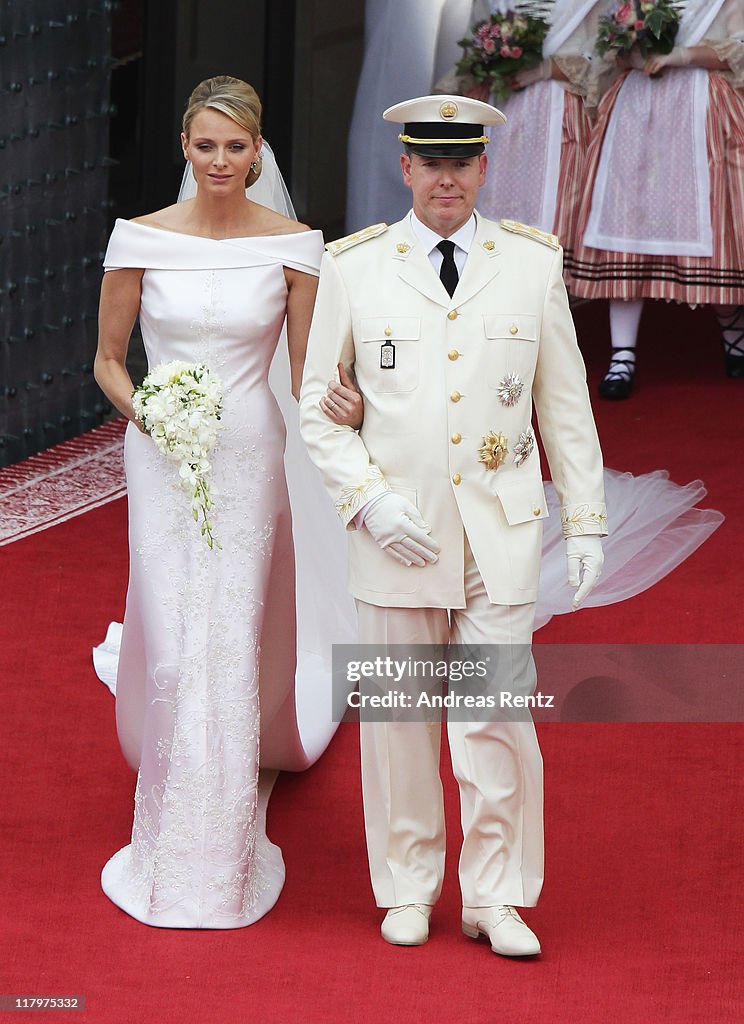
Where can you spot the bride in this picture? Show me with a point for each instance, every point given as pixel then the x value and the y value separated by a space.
pixel 208 655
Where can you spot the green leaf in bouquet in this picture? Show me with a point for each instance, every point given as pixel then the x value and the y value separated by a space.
pixel 654 23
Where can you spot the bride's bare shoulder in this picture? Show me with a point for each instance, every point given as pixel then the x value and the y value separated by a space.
pixel 170 217
pixel 269 222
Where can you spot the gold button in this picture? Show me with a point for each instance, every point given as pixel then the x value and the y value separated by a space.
pixel 536 511
pixel 455 396
pixel 456 479
pixel 452 315
pixel 513 329
pixel 456 438
pixel 453 354
pixel 388 332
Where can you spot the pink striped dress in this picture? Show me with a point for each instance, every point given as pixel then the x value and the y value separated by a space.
pixel 594 273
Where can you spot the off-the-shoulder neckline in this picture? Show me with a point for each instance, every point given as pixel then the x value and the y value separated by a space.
pixel 205 238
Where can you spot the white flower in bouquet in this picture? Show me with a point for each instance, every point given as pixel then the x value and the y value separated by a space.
pixel 179 405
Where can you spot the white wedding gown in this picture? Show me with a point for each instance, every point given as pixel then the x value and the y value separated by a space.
pixel 199 622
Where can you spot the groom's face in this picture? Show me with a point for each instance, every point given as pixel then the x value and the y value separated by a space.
pixel 444 188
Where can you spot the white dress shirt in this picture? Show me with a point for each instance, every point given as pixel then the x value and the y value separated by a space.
pixel 463 239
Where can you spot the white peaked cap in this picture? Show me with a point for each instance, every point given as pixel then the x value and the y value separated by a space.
pixel 444 126
pixel 444 109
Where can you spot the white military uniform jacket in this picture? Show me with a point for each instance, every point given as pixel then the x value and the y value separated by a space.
pixel 459 364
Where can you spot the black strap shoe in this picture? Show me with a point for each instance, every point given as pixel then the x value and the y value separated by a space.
pixel 617 383
pixel 732 336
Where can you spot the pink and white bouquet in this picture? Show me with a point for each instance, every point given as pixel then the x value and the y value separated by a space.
pixel 180 406
pixel 651 25
pixel 503 44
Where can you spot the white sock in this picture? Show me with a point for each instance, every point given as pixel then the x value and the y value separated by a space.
pixel 624 320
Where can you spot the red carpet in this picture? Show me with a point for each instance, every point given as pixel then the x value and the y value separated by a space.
pixel 62 482
pixel 640 916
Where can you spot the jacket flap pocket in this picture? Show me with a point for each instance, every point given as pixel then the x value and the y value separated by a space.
pixel 392 328
pixel 522 498
pixel 516 326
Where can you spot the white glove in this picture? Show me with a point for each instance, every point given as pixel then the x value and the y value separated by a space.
pixel 585 558
pixel 397 526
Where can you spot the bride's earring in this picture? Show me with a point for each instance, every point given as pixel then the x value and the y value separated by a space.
pixel 255 170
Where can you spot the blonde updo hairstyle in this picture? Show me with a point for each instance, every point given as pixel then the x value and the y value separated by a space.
pixel 234 98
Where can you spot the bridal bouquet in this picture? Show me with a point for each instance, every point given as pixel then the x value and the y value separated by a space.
pixel 179 405
pixel 651 24
pixel 505 43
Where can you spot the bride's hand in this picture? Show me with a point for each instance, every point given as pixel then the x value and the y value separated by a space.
pixel 342 402
pixel 140 425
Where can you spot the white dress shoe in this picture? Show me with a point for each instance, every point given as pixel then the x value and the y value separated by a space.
pixel 503 927
pixel 408 925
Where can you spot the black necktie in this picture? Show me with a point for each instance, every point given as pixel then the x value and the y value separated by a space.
pixel 448 273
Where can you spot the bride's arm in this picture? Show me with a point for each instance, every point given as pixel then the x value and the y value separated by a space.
pixel 349 409
pixel 119 306
pixel 300 302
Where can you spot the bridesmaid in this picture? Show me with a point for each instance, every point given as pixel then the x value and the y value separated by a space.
pixel 407 46
pixel 536 161
pixel 663 213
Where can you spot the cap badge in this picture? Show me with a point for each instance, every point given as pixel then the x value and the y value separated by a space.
pixel 448 110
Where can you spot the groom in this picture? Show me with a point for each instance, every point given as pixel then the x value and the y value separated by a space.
pixel 453 326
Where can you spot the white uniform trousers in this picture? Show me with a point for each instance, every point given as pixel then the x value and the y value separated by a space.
pixel 497 765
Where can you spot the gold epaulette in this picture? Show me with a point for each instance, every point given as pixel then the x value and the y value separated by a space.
pixel 529 232
pixel 334 248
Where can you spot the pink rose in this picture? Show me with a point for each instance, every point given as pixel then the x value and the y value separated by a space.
pixel 516 51
pixel 488 45
pixel 638 25
pixel 625 14
pixel 505 51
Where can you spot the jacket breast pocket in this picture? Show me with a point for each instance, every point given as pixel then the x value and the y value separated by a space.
pixel 396 368
pixel 511 346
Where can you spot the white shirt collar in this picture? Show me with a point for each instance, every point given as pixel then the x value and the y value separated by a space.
pixel 463 237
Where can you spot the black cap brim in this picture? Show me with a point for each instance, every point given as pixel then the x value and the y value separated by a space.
pixel 444 140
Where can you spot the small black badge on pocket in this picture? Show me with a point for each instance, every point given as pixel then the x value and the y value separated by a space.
pixel 387 356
